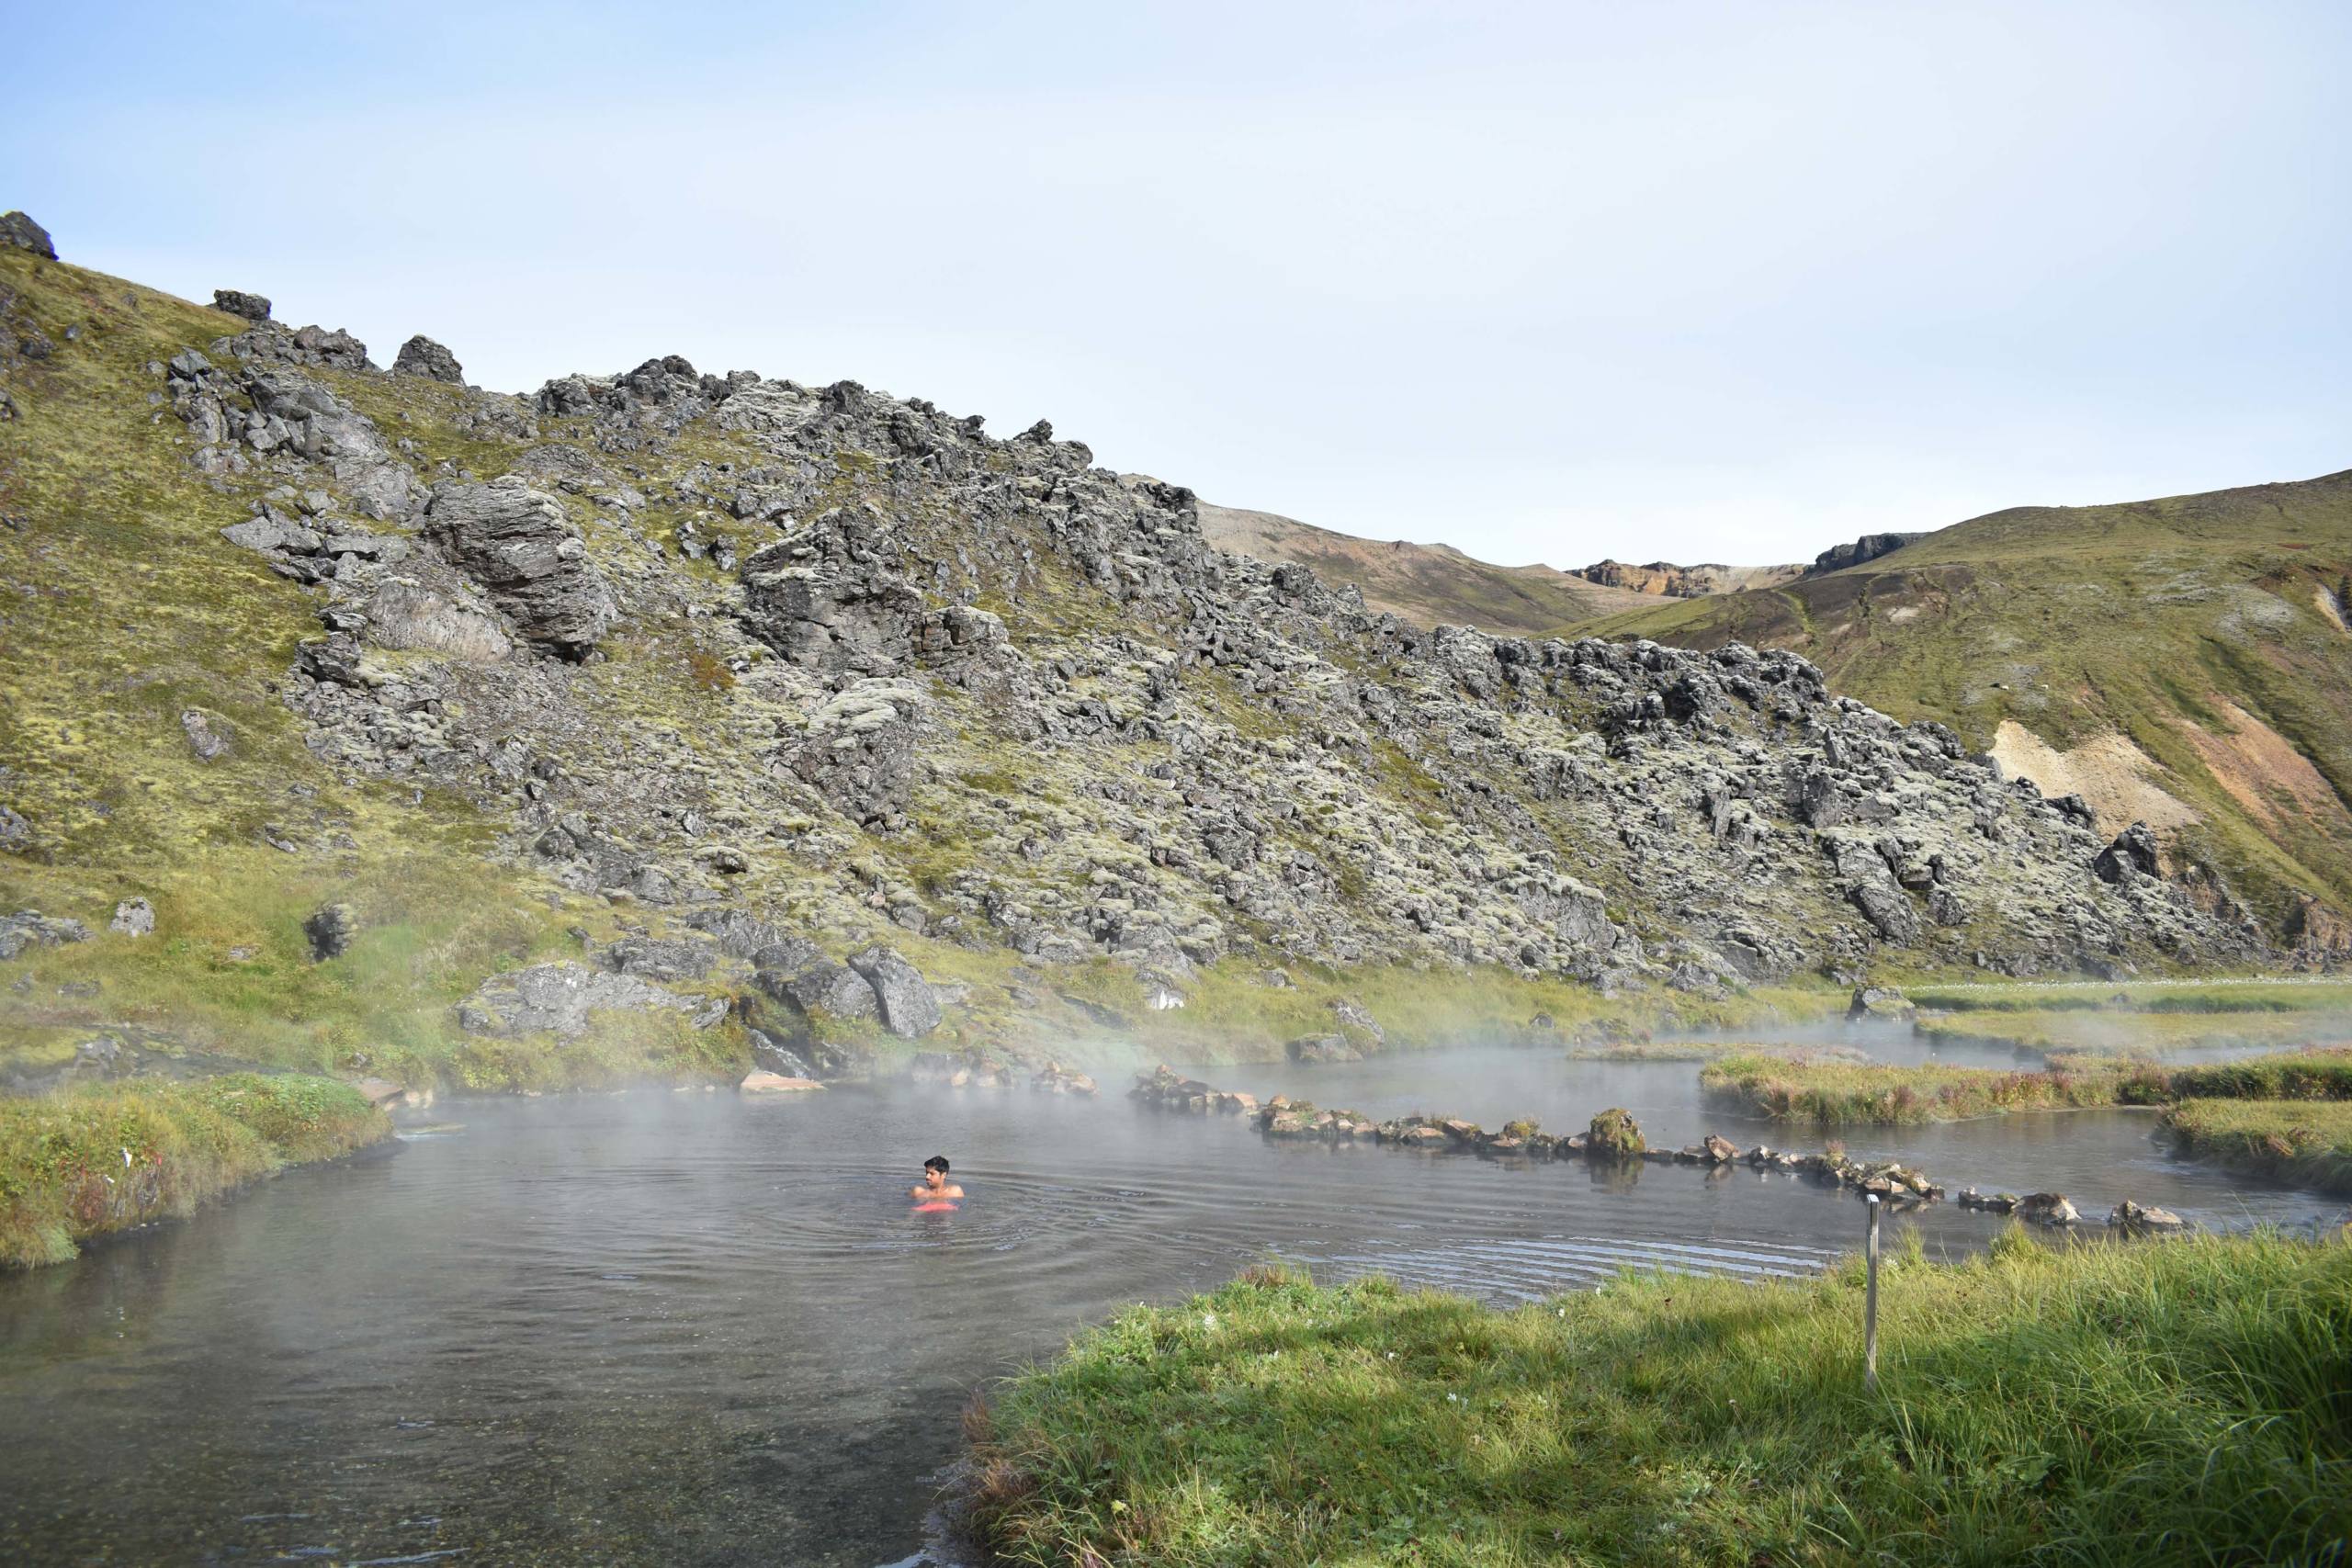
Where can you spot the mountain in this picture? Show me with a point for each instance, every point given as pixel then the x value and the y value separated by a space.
pixel 2184 661
pixel 1426 584
pixel 1665 580
pixel 663 721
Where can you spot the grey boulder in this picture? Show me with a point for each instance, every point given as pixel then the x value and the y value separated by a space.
pixel 910 1007
pixel 561 998
pixel 237 302
pixel 419 355
pixel 21 231
pixel 516 542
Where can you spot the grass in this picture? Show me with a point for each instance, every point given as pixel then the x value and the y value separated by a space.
pixel 98 1159
pixel 2301 1075
pixel 1837 1094
pixel 2303 1141
pixel 2183 1403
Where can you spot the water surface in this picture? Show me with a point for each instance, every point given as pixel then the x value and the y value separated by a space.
pixel 686 1329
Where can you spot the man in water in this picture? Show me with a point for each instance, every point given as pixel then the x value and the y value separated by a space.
pixel 935 1186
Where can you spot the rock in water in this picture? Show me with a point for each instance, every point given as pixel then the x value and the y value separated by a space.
pixel 909 1010
pixel 776 1083
pixel 237 302
pixel 1615 1132
pixel 133 916
pixel 2047 1209
pixel 21 231
pixel 517 542
pixel 419 355
pixel 2132 1220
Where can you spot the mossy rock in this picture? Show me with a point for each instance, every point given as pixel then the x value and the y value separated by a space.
pixel 1615 1134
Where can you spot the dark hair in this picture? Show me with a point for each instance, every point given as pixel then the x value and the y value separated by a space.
pixel 937 1163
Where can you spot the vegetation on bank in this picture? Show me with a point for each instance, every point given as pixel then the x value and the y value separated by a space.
pixel 1840 1093
pixel 2307 1143
pixel 2134 1017
pixel 98 1159
pixel 1836 1093
pixel 2175 1402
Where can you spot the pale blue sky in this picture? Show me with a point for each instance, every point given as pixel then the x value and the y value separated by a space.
pixel 1549 283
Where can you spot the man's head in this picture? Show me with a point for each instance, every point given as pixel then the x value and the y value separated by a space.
pixel 934 1169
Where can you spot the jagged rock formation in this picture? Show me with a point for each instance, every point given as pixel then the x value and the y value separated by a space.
pixel 1869 547
pixel 1143 746
pixel 419 355
pixel 237 302
pixel 21 231
pixel 1666 580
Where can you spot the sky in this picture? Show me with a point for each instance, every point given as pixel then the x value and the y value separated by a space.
pixel 1547 283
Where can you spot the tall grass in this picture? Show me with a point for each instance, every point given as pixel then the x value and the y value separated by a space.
pixel 2301 1074
pixel 2187 1402
pixel 92 1161
pixel 1838 1093
pixel 2306 1142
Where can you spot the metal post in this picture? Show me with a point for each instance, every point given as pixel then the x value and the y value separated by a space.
pixel 1869 1305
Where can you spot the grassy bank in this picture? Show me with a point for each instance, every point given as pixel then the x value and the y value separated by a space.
pixel 1834 1093
pixel 2185 1403
pixel 94 1160
pixel 1837 1093
pixel 2308 1142
pixel 2140 1017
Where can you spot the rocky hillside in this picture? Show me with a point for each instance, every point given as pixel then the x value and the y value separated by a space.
pixel 2183 661
pixel 420 730
pixel 1667 581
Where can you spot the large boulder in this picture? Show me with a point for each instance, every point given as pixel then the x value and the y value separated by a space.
pixel 561 998
pixel 859 751
pixel 237 302
pixel 2132 854
pixel 910 1007
pixel 419 355
pixel 820 984
pixel 21 231
pixel 30 927
pixel 517 542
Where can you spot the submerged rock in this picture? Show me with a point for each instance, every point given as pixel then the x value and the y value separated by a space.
pixel 2047 1209
pixel 764 1082
pixel 2132 1220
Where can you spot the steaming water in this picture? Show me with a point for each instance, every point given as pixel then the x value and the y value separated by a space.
pixel 696 1329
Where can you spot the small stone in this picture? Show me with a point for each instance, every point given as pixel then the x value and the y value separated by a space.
pixel 133 916
pixel 207 740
